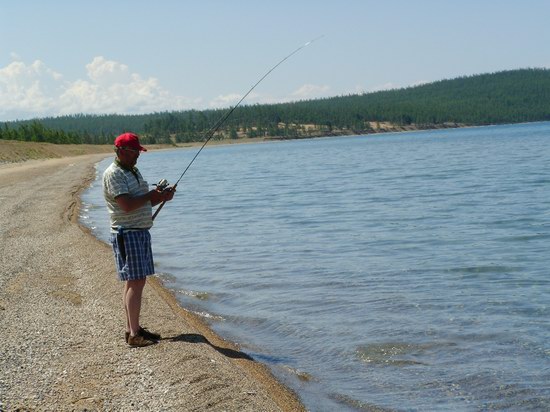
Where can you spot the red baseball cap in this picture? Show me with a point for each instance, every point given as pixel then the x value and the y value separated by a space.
pixel 129 140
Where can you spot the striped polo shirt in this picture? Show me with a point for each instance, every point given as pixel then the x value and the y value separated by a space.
pixel 121 181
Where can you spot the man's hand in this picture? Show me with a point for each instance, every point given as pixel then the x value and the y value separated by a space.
pixel 168 193
pixel 159 196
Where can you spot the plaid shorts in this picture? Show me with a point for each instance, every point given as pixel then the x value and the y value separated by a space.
pixel 133 254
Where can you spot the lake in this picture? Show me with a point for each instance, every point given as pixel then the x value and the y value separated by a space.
pixel 403 271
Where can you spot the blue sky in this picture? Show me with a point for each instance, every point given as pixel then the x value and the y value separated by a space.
pixel 62 57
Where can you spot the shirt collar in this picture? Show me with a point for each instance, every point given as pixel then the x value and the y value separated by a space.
pixel 130 169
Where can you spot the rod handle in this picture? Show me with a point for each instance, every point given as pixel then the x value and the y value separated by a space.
pixel 158 209
pixel 162 204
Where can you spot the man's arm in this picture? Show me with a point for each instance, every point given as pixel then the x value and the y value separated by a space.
pixel 129 203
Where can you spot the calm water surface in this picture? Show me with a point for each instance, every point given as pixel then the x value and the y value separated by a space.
pixel 400 272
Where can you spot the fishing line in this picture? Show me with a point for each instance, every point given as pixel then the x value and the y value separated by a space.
pixel 210 132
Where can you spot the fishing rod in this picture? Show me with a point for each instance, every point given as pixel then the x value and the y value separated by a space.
pixel 210 132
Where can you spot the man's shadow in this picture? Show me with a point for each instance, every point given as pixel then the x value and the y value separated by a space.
pixel 197 338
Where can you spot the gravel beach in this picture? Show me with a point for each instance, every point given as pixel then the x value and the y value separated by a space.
pixel 62 321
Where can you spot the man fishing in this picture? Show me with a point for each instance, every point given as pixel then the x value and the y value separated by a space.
pixel 130 204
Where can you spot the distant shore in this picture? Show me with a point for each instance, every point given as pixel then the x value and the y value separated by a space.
pixel 62 319
pixel 12 151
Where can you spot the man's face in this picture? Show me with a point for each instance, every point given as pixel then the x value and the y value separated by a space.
pixel 127 156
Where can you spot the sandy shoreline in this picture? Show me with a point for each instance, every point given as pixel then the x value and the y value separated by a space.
pixel 61 314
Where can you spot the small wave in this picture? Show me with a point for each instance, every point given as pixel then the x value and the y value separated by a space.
pixel 484 269
pixel 357 404
pixel 209 316
pixel 301 375
pixel 395 353
pixel 194 294
pixel 525 238
pixel 166 277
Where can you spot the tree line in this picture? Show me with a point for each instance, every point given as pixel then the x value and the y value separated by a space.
pixel 504 97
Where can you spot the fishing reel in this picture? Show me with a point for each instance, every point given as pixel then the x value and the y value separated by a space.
pixel 161 185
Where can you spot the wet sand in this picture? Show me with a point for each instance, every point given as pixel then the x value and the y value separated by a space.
pixel 62 319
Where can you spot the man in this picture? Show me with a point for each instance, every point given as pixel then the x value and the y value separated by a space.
pixel 130 204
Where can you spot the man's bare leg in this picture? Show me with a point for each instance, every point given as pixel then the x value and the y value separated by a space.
pixel 133 291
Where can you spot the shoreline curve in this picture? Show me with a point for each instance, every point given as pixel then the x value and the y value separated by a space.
pixel 61 311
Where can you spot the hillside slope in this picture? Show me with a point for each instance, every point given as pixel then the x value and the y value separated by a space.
pixel 504 97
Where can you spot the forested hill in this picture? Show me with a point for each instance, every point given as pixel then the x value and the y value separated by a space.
pixel 503 97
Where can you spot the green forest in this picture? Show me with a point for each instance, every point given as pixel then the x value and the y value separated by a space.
pixel 496 98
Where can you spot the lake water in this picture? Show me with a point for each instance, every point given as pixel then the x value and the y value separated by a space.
pixel 400 272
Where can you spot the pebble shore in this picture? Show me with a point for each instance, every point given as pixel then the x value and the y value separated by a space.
pixel 62 320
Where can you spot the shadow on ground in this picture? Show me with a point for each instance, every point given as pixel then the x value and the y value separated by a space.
pixel 198 338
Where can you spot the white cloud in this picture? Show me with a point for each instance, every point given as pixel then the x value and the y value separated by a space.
pixel 228 100
pixel 358 89
pixel 382 87
pixel 419 83
pixel 107 72
pixel 35 90
pixel 225 100
pixel 307 91
pixel 14 56
pixel 26 89
pixel 310 91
